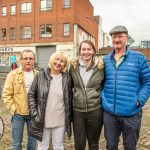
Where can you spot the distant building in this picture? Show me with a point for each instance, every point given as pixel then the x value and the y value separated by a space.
pixel 103 38
pixel 100 32
pixel 145 51
pixel 45 26
pixel 145 44
pixel 106 39
pixel 130 40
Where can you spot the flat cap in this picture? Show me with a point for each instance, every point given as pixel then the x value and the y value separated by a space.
pixel 118 29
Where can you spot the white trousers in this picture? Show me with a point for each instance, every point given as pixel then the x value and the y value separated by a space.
pixel 57 135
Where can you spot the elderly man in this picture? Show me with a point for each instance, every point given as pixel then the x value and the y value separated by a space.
pixel 126 90
pixel 15 98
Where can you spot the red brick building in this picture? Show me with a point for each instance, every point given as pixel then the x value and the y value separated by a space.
pixel 45 26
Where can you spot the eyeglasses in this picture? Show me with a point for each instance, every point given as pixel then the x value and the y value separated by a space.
pixel 118 36
pixel 28 58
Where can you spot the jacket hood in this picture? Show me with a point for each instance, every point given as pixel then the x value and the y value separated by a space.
pixel 99 62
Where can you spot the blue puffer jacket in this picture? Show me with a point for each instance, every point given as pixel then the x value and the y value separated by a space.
pixel 126 85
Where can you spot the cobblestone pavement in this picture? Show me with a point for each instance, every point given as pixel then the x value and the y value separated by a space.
pixel 143 144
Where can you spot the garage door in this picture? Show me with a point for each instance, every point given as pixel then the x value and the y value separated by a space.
pixel 43 54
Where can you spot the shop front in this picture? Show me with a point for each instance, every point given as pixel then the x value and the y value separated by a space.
pixel 7 53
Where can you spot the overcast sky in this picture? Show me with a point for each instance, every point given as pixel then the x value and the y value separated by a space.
pixel 134 14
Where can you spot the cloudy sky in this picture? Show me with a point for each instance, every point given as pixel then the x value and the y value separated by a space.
pixel 134 14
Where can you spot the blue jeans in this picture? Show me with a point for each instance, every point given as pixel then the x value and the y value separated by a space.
pixel 18 122
pixel 128 126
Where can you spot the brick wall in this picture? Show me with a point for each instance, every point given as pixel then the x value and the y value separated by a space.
pixel 84 16
pixel 76 14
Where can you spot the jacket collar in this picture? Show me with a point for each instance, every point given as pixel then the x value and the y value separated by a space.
pixel 48 73
pixel 75 63
pixel 20 70
pixel 126 52
pixel 81 63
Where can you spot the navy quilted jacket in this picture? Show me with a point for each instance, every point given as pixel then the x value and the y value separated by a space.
pixel 127 84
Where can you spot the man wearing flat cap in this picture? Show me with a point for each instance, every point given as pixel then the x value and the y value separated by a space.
pixel 125 92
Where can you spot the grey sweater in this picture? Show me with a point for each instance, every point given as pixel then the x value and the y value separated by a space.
pixel 55 109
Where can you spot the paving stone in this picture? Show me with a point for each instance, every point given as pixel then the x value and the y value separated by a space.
pixel 143 143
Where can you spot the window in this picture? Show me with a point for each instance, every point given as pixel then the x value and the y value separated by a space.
pixel 145 44
pixel 12 9
pixel 46 30
pixel 66 29
pixel 46 5
pixel 26 8
pixel 4 60
pixel 4 11
pixel 66 3
pixel 12 33
pixel 25 32
pixel 3 31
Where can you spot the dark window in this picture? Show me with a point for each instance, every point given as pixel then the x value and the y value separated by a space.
pixel 46 30
pixel 3 31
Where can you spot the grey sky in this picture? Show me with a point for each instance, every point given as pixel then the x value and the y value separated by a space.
pixel 134 14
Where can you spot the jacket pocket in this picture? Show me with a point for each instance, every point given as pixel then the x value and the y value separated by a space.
pixel 36 121
pixel 18 85
pixel 37 118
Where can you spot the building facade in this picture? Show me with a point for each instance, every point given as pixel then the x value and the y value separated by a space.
pixel 106 39
pixel 45 26
pixel 145 44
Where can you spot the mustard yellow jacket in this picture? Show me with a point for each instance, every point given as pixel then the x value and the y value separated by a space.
pixel 14 93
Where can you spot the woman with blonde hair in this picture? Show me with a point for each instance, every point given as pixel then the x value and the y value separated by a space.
pixel 50 103
pixel 87 74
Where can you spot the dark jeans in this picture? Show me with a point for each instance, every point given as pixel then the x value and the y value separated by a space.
pixel 18 122
pixel 87 125
pixel 128 126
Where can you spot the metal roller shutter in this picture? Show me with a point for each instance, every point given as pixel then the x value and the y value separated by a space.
pixel 43 54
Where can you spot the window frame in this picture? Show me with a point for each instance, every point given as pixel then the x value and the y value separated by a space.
pixel 23 30
pixel 46 8
pixel 67 3
pixel 26 11
pixel 2 11
pixel 12 34
pixel 66 32
pixel 3 38
pixel 46 34
pixel 13 12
